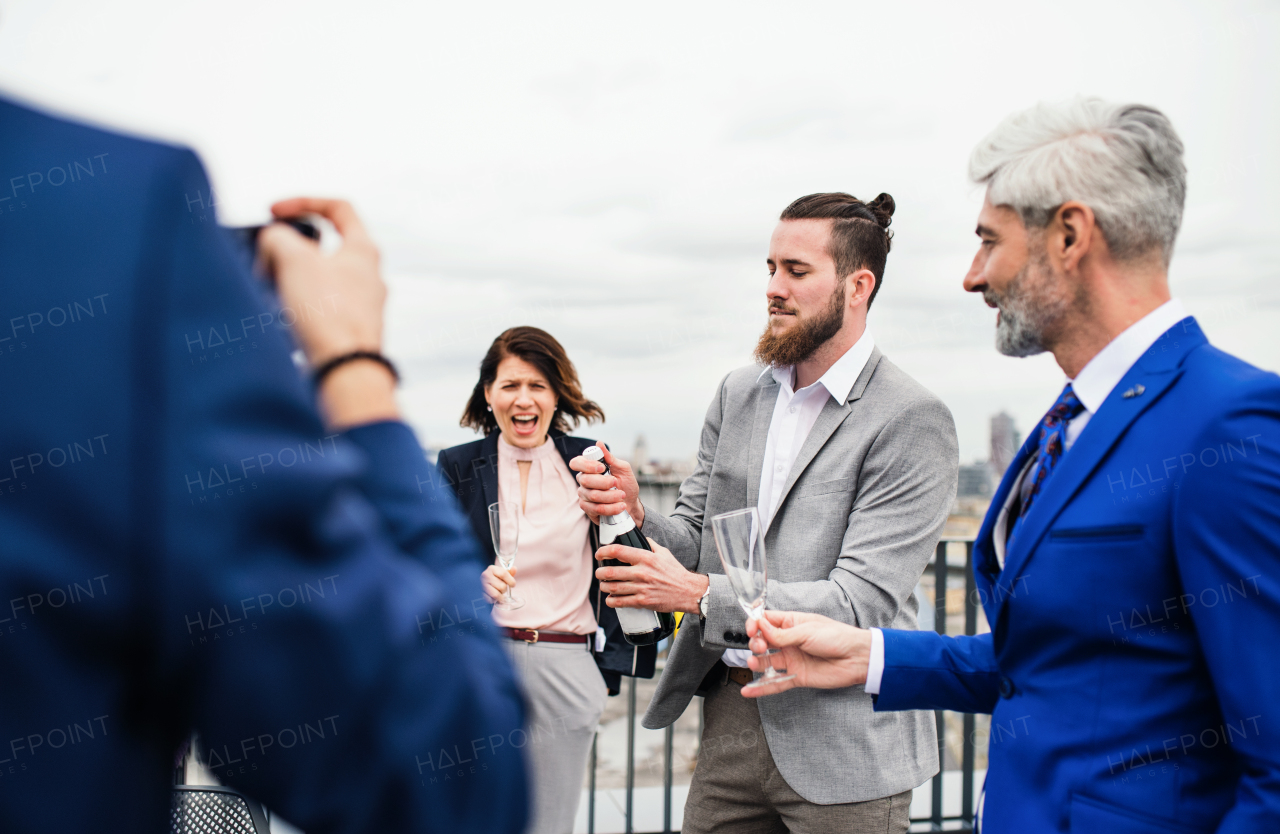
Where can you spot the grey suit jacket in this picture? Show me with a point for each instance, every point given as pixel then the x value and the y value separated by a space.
pixel 859 517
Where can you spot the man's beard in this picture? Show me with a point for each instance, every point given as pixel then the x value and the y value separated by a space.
pixel 800 341
pixel 1031 307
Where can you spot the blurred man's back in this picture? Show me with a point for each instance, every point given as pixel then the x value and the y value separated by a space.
pixel 184 545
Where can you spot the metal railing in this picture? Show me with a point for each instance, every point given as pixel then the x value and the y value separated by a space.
pixel 942 572
pixel 667 770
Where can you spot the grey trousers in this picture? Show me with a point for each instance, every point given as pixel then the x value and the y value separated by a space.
pixel 565 696
pixel 737 788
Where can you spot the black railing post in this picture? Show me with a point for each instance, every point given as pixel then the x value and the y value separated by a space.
pixel 970 754
pixel 591 789
pixel 939 625
pixel 631 751
pixel 941 575
pixel 667 778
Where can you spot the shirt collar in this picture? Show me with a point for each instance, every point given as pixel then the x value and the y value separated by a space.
pixel 840 377
pixel 1104 371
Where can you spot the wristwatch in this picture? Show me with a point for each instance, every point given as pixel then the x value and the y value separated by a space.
pixel 704 601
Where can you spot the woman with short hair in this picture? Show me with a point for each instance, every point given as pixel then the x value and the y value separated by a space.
pixel 524 402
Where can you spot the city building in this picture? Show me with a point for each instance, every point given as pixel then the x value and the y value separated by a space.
pixel 1005 442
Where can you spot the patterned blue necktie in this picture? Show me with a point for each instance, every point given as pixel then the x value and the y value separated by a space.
pixel 1053 441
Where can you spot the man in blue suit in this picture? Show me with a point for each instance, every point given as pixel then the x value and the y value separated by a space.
pixel 192 536
pixel 1130 562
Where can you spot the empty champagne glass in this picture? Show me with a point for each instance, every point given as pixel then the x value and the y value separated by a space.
pixel 504 527
pixel 740 540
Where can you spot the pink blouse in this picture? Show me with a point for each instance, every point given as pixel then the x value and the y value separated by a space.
pixel 554 562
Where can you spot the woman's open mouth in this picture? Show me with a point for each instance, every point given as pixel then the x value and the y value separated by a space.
pixel 525 424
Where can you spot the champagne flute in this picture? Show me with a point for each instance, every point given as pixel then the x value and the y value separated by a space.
pixel 740 541
pixel 504 528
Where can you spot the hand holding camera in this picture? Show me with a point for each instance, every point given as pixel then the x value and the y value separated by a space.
pixel 339 298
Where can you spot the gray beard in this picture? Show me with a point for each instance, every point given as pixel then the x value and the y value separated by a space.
pixel 1033 303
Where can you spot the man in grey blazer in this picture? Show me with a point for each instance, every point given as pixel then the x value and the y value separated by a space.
pixel 852 465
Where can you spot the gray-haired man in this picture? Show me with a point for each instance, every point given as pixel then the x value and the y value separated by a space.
pixel 852 465
pixel 1127 561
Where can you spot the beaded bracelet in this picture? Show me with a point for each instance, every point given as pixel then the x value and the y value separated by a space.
pixel 337 361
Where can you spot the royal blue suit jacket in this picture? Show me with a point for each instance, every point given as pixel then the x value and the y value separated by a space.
pixel 183 545
pixel 1131 670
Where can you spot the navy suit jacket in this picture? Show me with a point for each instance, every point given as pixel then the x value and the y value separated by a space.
pixel 183 545
pixel 471 470
pixel 1131 670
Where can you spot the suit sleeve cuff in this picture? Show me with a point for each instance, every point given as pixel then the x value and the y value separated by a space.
pixel 875 664
pixel 396 461
pixel 725 626
pixel 666 533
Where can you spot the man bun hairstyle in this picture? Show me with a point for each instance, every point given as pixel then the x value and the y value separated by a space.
pixel 541 350
pixel 860 236
pixel 1123 161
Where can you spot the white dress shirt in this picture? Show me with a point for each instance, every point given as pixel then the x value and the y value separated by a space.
pixel 794 413
pixel 1095 382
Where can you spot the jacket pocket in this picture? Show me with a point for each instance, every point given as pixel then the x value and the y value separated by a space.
pixel 1115 532
pixel 1093 816
pixel 823 488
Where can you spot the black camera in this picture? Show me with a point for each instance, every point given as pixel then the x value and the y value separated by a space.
pixel 247 236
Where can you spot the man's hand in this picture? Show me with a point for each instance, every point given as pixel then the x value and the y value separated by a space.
pixel 338 298
pixel 653 580
pixel 338 301
pixel 820 652
pixel 600 494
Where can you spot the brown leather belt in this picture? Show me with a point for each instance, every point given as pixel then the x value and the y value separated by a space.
pixel 532 635
pixel 721 674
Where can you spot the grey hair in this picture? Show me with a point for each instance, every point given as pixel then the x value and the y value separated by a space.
pixel 1123 161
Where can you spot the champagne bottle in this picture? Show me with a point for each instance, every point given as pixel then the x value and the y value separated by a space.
pixel 640 626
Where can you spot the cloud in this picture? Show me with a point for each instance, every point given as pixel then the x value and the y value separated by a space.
pixel 613 174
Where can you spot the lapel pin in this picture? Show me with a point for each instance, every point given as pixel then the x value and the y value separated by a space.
pixel 1135 391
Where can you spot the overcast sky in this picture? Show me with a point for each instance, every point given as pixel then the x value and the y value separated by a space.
pixel 612 173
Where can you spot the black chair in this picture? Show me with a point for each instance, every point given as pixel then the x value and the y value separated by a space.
pixel 213 809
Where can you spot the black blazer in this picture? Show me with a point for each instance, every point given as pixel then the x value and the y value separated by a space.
pixel 471 470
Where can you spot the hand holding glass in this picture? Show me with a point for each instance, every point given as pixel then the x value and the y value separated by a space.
pixel 740 540
pixel 504 528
